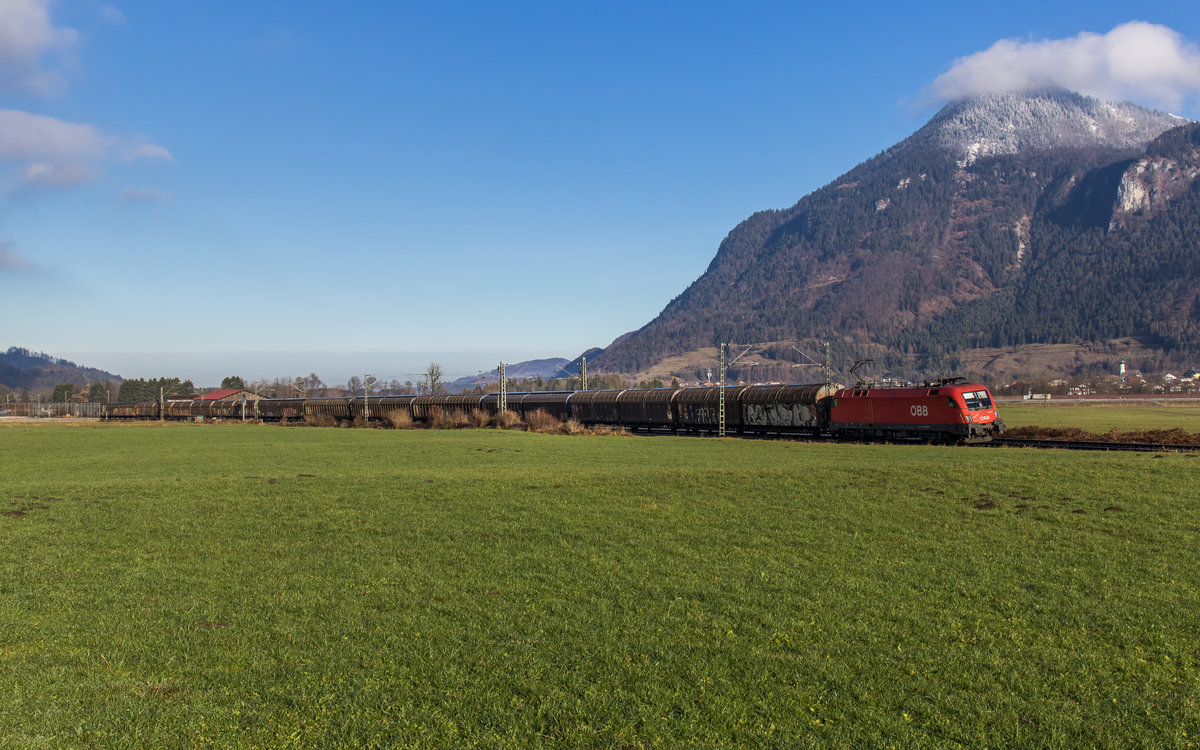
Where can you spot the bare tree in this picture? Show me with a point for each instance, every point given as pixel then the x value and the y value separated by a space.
pixel 433 378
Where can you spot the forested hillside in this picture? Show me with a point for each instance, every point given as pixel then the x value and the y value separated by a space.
pixel 22 369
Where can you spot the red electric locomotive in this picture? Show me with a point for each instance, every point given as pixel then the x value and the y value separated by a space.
pixel 938 412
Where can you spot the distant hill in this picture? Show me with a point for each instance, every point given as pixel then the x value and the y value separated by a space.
pixel 534 368
pixel 1037 218
pixel 31 371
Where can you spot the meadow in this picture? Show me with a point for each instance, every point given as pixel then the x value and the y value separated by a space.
pixel 1101 418
pixel 238 585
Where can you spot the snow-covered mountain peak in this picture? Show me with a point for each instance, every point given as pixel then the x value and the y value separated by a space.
pixel 1040 120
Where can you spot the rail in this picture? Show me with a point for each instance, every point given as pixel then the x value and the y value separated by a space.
pixel 1090 445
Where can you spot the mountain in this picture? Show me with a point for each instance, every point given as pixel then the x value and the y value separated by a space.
pixel 24 369
pixel 1006 221
pixel 1046 120
pixel 534 368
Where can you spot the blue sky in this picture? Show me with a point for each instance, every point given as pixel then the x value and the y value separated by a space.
pixel 273 188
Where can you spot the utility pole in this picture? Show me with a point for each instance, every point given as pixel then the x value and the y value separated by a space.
pixel 503 405
pixel 826 361
pixel 162 403
pixel 583 374
pixel 721 398
pixel 366 402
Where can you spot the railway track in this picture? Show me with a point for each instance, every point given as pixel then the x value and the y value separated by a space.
pixel 1088 445
pixel 1000 442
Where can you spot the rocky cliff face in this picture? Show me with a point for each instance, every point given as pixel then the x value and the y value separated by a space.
pixel 1148 185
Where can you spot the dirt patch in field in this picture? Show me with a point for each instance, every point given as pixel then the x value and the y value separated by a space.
pixel 983 501
pixel 21 506
pixel 1165 437
pixel 165 692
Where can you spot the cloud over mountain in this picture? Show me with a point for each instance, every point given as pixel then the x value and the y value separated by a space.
pixel 1137 61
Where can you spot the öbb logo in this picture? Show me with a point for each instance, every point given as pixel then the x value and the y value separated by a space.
pixel 919 410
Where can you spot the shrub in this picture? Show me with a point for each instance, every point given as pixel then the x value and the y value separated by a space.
pixel 540 421
pixel 448 419
pixel 399 419
pixel 478 419
pixel 506 420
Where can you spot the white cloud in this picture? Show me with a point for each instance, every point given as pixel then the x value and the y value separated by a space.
pixel 44 174
pixel 48 152
pixel 25 137
pixel 149 151
pixel 1138 61
pixel 27 36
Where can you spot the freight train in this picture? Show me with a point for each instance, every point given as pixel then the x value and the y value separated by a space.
pixel 940 411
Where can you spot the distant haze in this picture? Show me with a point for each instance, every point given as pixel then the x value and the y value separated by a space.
pixel 209 368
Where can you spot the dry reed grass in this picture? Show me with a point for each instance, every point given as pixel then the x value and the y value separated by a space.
pixel 448 419
pixel 399 420
pixel 540 421
pixel 506 420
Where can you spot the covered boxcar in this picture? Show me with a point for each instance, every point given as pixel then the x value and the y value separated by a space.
pixel 597 407
pixel 647 408
pixel 699 408
pixel 786 408
pixel 426 407
pixel 279 409
pixel 131 410
pixel 182 409
pixel 384 405
pixel 555 403
pixel 338 408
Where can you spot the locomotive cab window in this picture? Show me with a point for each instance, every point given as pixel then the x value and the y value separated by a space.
pixel 977 400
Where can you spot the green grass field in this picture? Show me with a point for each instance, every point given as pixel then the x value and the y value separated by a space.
pixel 259 586
pixel 1101 418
